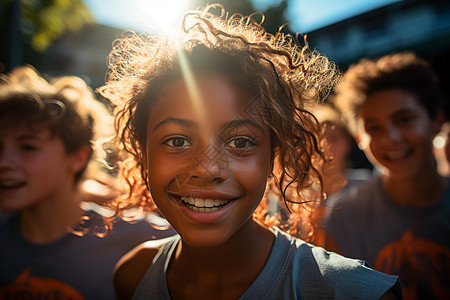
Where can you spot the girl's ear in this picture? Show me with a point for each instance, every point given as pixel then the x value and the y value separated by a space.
pixel 81 158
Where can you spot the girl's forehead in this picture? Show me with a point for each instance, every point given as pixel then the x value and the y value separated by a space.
pixel 202 81
pixel 202 90
pixel 207 99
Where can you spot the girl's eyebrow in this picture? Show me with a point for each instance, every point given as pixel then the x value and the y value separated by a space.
pixel 242 122
pixel 183 122
pixel 228 126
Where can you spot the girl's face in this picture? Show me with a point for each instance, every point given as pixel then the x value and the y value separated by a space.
pixel 34 168
pixel 396 133
pixel 208 157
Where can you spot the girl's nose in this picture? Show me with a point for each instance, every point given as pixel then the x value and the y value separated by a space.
pixel 210 164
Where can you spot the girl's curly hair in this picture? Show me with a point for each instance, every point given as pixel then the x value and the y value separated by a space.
pixel 282 75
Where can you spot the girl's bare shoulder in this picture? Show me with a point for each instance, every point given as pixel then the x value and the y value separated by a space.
pixel 131 268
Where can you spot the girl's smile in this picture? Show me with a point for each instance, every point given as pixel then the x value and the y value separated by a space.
pixel 208 167
pixel 205 210
pixel 203 204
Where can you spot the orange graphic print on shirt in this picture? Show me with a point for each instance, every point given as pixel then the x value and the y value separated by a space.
pixel 422 265
pixel 26 287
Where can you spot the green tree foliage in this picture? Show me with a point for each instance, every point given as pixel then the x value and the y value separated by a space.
pixel 43 21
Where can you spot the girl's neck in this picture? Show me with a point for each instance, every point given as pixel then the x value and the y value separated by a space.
pixel 417 192
pixel 220 268
pixel 50 219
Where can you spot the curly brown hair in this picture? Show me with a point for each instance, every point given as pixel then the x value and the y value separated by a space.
pixel 275 69
pixel 404 71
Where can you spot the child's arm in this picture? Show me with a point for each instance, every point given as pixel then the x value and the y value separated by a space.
pixel 132 267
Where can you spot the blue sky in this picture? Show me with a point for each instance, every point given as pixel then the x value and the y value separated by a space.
pixel 304 15
pixel 307 15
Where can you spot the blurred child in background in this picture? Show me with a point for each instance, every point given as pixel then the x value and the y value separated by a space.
pixel 47 132
pixel 340 172
pixel 343 170
pixel 399 220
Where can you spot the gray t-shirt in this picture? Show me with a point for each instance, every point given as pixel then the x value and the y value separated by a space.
pixel 411 243
pixel 74 267
pixel 294 270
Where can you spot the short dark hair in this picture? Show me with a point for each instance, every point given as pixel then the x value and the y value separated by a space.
pixel 66 106
pixel 404 71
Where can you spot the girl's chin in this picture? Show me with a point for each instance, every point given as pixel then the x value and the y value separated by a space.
pixel 205 238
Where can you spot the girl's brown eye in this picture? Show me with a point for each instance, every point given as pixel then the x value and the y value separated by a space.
pixel 240 143
pixel 177 142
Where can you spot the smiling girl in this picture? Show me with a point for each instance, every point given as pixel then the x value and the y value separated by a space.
pixel 211 125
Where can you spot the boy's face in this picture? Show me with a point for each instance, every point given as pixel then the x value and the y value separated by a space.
pixel 208 159
pixel 396 133
pixel 34 168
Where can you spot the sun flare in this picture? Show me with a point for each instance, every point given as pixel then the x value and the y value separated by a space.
pixel 160 17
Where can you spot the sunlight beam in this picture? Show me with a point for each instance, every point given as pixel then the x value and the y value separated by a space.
pixel 160 17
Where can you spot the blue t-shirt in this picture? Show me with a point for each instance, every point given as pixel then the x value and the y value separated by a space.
pixel 294 270
pixel 73 267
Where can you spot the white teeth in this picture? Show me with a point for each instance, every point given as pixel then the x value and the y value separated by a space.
pixel 203 209
pixel 199 202
pixel 203 205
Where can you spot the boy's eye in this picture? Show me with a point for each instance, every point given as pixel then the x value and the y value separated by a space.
pixel 240 143
pixel 177 142
pixel 28 147
pixel 406 119
pixel 371 129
